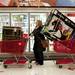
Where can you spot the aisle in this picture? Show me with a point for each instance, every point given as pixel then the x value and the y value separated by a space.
pixel 49 68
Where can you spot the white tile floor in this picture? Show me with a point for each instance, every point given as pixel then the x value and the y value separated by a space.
pixel 49 68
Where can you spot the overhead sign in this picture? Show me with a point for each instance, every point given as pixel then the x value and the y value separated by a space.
pixel 33 3
pixel 27 2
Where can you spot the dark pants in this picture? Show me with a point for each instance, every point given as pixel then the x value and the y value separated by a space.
pixel 39 56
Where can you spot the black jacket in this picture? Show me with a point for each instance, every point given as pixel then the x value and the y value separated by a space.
pixel 37 40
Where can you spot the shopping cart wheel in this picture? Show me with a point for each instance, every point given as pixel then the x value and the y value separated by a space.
pixel 60 66
pixel 29 66
pixel 30 61
pixel 5 66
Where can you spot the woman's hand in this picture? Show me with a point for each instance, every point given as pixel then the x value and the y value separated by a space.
pixel 31 34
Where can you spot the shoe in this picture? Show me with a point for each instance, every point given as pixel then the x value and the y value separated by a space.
pixel 41 64
pixel 36 63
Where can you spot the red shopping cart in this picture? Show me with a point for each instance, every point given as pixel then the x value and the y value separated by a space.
pixel 17 49
pixel 65 46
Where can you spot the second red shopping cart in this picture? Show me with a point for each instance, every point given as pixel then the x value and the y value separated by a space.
pixel 65 46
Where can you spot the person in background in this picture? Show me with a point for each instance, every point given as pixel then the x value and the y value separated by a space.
pixel 38 48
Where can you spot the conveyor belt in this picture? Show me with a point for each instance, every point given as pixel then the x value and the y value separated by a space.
pixel 47 56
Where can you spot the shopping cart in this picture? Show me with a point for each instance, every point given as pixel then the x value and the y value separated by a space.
pixel 65 46
pixel 17 49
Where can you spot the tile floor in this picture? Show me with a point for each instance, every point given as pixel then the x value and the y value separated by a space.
pixel 49 68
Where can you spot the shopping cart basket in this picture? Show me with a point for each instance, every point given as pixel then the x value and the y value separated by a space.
pixel 65 46
pixel 17 49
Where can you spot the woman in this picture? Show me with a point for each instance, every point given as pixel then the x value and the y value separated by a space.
pixel 38 48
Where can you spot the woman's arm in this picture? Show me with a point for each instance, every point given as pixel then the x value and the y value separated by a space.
pixel 34 32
